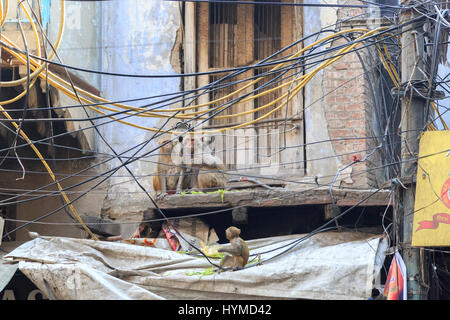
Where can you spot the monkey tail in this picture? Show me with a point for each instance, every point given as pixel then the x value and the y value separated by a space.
pixel 156 184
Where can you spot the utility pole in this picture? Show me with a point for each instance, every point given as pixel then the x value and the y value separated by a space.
pixel 412 122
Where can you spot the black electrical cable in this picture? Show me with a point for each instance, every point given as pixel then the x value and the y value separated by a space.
pixel 124 164
pixel 242 68
pixel 261 64
pixel 421 157
pixel 247 175
pixel 25 109
pixel 321 5
pixel 296 242
pixel 220 87
pixel 113 120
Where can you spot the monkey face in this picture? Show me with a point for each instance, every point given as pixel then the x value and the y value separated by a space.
pixel 165 147
pixel 232 232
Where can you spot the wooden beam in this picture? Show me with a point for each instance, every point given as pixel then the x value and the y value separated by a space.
pixel 245 54
pixel 274 198
pixel 190 39
pixel 203 50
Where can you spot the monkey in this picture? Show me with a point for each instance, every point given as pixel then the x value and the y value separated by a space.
pixel 167 172
pixel 205 178
pixel 206 171
pixel 238 250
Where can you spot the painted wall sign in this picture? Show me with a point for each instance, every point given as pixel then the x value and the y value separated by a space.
pixel 431 225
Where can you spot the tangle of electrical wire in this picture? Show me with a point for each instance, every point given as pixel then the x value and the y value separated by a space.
pixel 119 157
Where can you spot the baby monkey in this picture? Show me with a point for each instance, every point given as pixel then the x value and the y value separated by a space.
pixel 238 250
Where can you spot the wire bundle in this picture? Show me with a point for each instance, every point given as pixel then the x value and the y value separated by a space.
pixel 291 71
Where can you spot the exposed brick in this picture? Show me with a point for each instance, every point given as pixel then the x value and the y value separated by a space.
pixel 355 107
pixel 356 123
pixel 343 98
pixel 336 124
pixel 340 133
pixel 342 115
pixel 357 115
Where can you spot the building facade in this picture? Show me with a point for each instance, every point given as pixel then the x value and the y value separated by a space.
pixel 318 139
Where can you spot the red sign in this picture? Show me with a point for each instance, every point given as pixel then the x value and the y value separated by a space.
pixel 433 224
pixel 445 193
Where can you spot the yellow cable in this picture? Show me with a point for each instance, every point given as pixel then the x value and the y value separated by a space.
pixel 20 95
pixel 396 79
pixel 5 13
pixel 294 90
pixel 186 115
pixel 49 170
pixel 439 114
pixel 1 10
pixel 144 113
pixel 228 95
pixel 15 83
pixel 41 158
pixel 181 116
pixel 50 57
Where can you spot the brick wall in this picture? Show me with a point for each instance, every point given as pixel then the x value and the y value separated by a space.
pixel 349 114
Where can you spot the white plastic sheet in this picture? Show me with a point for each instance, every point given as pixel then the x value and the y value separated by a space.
pixel 328 265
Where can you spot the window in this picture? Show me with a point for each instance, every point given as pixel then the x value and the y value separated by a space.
pixel 235 35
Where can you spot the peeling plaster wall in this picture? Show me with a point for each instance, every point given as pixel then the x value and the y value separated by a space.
pixel 80 45
pixel 127 36
pixel 137 37
pixel 315 119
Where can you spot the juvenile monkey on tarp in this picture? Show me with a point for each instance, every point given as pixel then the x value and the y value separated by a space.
pixel 238 250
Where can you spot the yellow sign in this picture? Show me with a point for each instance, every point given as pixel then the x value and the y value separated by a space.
pixel 431 225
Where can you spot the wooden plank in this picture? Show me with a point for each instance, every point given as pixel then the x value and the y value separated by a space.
pixel 240 149
pixel 263 150
pixel 190 53
pixel 251 147
pixel 274 198
pixel 245 51
pixel 229 148
pixel 203 51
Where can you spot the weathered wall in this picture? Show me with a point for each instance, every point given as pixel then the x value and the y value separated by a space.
pixel 81 42
pixel 316 106
pixel 130 36
pixel 346 112
pixel 137 38
pixel 337 97
pixel 36 176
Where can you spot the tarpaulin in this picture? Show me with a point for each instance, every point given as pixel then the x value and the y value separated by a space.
pixel 329 265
